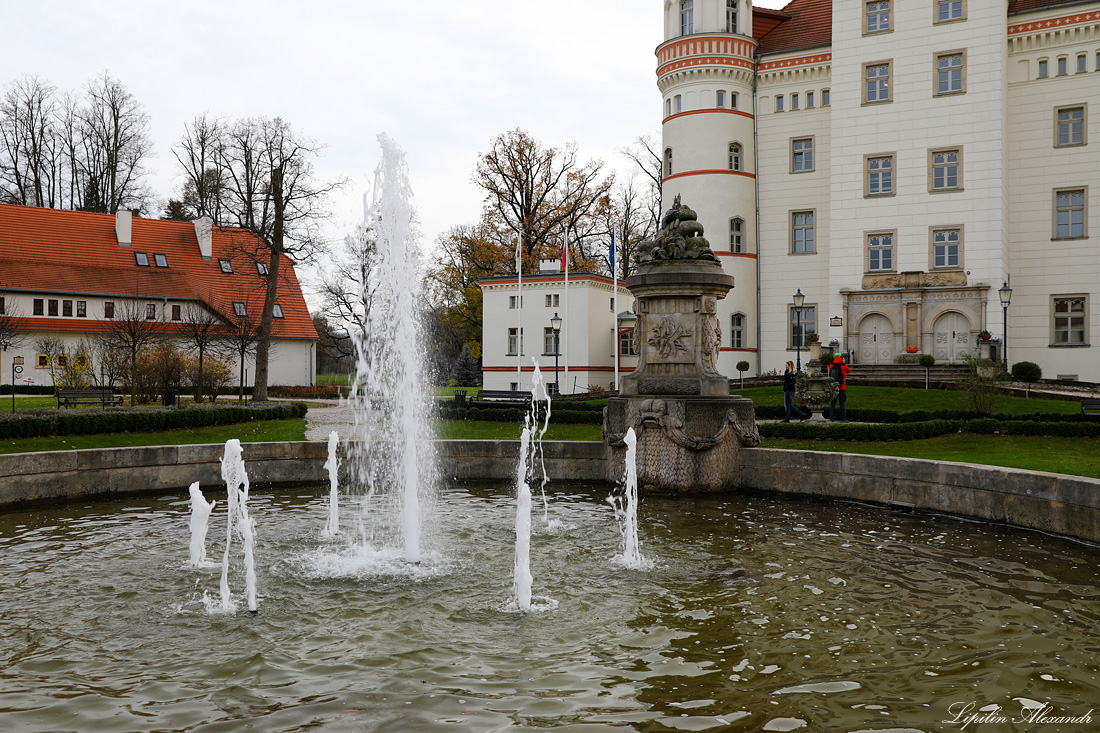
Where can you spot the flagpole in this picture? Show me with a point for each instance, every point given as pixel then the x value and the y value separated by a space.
pixel 565 325
pixel 615 309
pixel 519 317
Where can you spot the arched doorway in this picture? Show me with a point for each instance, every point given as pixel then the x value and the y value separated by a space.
pixel 876 340
pixel 951 337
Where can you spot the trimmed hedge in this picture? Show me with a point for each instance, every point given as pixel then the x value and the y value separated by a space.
pixel 143 421
pixel 1057 429
pixel 860 431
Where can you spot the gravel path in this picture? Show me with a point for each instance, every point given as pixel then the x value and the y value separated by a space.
pixel 320 421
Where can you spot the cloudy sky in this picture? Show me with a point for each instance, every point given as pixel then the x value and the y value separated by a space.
pixel 442 80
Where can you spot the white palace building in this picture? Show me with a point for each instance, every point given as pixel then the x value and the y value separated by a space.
pixel 898 162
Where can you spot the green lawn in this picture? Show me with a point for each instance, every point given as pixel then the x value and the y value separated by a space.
pixel 337 379
pixel 899 399
pixel 476 430
pixel 263 431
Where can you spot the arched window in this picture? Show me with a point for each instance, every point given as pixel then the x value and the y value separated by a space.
pixel 735 156
pixel 668 161
pixel 737 235
pixel 737 331
pixel 687 19
pixel 731 16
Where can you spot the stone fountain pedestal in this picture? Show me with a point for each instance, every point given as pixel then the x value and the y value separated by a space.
pixel 689 429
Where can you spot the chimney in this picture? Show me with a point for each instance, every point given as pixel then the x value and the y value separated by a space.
pixel 124 227
pixel 204 232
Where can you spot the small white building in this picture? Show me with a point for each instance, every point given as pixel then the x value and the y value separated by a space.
pixel 597 329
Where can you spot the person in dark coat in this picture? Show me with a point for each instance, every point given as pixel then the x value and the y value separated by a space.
pixel 839 372
pixel 788 394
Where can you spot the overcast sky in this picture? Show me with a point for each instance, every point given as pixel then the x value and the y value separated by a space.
pixel 442 80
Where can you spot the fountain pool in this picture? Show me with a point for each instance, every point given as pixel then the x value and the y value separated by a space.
pixel 758 614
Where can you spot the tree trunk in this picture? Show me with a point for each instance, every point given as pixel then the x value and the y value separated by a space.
pixel 263 345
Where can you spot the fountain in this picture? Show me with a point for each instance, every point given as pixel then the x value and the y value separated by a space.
pixel 200 517
pixel 689 429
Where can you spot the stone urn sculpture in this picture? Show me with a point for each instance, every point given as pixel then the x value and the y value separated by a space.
pixel 689 429
pixel 817 390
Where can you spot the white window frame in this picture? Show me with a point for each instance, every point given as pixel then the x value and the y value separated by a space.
pixel 807 325
pixel 946 166
pixel 549 341
pixel 1070 318
pixel 512 343
pixel 877 17
pixel 1083 231
pixel 737 331
pixel 950 6
pixel 734 152
pixel 947 81
pixel 939 237
pixel 879 247
pixel 687 17
pixel 804 227
pixel 882 90
pixel 1081 126
pixel 802 154
pixel 737 235
pixel 876 176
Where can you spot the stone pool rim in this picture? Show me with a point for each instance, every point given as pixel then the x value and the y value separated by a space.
pixel 1058 504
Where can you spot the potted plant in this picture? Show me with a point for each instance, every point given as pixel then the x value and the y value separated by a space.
pixel 984 335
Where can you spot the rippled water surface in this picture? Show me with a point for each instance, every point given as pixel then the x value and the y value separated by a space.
pixel 759 614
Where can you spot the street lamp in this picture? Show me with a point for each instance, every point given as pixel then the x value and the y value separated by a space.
pixel 1005 294
pixel 555 323
pixel 799 299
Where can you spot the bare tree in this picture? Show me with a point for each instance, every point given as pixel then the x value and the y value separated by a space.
pixel 270 191
pixel 535 192
pixel 12 328
pixel 115 142
pixel 240 340
pixel 51 347
pixel 200 329
pixel 110 363
pixel 646 154
pixel 131 332
pixel 29 150
pixel 198 155
pixel 348 285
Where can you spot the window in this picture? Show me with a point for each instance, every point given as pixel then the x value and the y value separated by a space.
pixel 626 343
pixel 802 232
pixel 880 252
pixel 947 249
pixel 108 309
pixel 41 361
pixel 802 155
pixel 809 100
pixel 177 313
pixel 668 107
pixel 81 309
pixel 550 341
pixel 1069 320
pixel 513 342
pixel 239 309
pixel 668 161
pixel 277 311
pixel 39 306
pixel 515 301
pixel 731 16
pixel 949 10
pixel 1098 60
pixel 876 16
pixel 802 325
pixel 1042 68
pixel 62 361
pixel 1062 63
pixel 678 103
pixel 878 177
pixel 1069 126
pixel 227 266
pixel 877 86
pixel 735 156
pixel 142 259
pixel 687 20
pixel 733 97
pixel 945 170
pixel 737 235
pixel 160 260
pixel 1082 63
pixel 950 73
pixel 552 300
pixel 824 97
pixel 51 307
pixel 1069 213
pixel 779 103
pixel 67 308
pixel 261 268
pixel 720 97
pixel 150 311
pixel 794 102
pixel 1 305
pixel 737 331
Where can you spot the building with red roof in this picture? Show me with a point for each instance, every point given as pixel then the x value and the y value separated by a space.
pixel 903 165
pixel 69 274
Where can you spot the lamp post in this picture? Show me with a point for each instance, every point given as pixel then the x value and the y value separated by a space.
pixel 1005 294
pixel 799 299
pixel 555 323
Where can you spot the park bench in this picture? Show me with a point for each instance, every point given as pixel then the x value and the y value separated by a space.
pixel 70 397
pixel 504 395
pixel 1090 409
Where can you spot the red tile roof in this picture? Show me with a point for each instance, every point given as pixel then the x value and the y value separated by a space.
pixel 810 26
pixel 1023 6
pixel 75 253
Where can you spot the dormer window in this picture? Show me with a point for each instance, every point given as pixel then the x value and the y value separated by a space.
pixel 261 268
pixel 239 309
pixel 142 259
pixel 160 260
pixel 227 266
pixel 278 312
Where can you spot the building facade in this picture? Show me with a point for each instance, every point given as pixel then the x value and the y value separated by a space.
pixel 74 276
pixel 596 328
pixel 899 163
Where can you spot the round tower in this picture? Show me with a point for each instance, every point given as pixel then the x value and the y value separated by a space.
pixel 705 74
